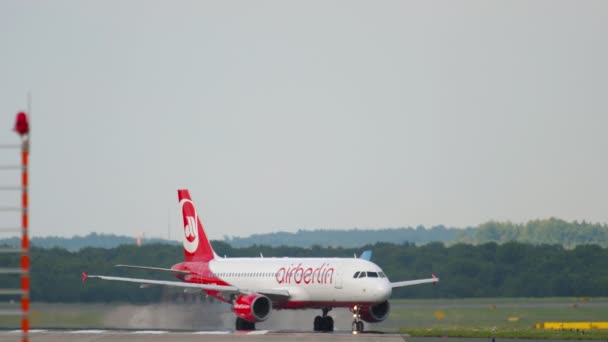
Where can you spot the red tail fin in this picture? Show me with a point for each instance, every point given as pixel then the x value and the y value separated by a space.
pixel 196 244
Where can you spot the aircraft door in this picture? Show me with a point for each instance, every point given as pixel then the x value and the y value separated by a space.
pixel 338 277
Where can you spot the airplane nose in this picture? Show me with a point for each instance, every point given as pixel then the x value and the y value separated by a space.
pixel 383 291
pixel 388 290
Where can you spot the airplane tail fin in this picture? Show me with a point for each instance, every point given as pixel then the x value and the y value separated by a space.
pixel 196 244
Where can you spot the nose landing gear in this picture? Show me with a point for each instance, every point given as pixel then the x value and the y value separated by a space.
pixel 324 323
pixel 357 322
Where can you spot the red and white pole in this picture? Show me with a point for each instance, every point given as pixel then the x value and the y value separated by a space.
pixel 22 128
pixel 25 243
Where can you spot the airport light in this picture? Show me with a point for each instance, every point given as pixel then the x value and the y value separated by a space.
pixel 22 128
pixel 22 125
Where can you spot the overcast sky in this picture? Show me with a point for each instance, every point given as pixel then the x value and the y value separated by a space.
pixel 284 115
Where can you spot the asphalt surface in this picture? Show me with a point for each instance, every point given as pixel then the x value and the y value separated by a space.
pixel 196 336
pixel 93 335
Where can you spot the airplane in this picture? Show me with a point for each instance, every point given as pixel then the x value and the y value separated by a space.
pixel 256 286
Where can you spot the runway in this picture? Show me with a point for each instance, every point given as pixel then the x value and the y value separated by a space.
pixel 102 335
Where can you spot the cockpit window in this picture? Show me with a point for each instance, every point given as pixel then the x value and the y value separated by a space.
pixel 364 274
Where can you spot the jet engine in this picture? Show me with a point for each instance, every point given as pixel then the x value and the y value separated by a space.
pixel 375 313
pixel 252 308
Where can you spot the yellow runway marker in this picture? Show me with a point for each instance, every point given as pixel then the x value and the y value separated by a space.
pixel 572 325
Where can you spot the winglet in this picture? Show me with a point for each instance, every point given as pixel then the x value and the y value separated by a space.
pixel 434 277
pixel 366 255
pixel 84 277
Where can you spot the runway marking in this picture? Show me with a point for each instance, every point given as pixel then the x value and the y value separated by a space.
pixel 139 332
pixel 90 331
pixel 258 332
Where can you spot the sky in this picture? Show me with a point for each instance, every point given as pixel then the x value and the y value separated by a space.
pixel 287 115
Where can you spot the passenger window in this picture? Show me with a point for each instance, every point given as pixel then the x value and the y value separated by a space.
pixel 372 274
pixel 356 274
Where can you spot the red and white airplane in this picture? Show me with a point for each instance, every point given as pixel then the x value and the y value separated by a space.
pixel 255 286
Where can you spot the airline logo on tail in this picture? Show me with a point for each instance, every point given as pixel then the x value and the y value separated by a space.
pixel 190 225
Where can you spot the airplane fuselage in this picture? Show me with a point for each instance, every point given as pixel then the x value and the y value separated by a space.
pixel 311 282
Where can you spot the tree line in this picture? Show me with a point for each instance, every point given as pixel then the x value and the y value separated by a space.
pixel 548 231
pixel 511 269
pixel 353 237
pixel 77 242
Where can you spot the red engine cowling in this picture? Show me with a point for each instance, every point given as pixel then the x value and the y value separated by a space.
pixel 252 308
pixel 375 313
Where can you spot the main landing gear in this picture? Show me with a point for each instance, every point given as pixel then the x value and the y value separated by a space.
pixel 324 323
pixel 242 324
pixel 357 322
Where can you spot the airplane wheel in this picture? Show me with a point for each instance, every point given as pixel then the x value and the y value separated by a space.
pixel 242 324
pixel 328 323
pixel 318 323
pixel 325 324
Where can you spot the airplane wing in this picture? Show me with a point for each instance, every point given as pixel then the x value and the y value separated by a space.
pixel 227 289
pixel 154 269
pixel 433 280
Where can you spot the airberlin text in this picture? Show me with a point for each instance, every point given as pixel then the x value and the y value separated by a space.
pixel 323 274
